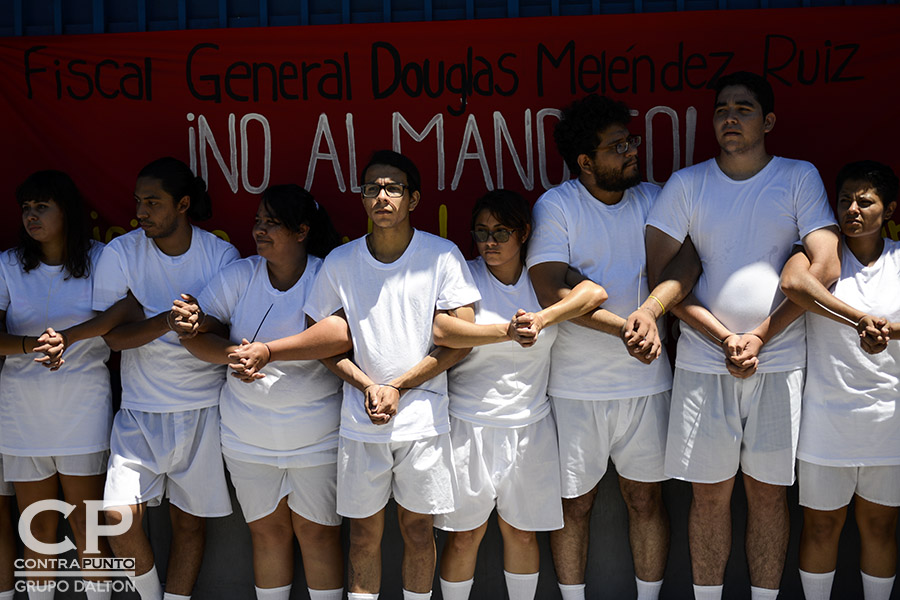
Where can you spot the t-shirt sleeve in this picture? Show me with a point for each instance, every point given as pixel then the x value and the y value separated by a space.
pixel 220 296
pixel 550 240
pixel 323 299
pixel 671 211
pixel 110 279
pixel 230 255
pixel 4 287
pixel 813 210
pixel 457 285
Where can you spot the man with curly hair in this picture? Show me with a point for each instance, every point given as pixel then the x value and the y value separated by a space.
pixel 607 405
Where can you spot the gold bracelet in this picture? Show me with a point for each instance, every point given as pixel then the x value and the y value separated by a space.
pixel 661 305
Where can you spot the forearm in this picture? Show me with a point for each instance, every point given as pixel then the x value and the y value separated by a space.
pixel 803 284
pixel 436 362
pixel 123 311
pixel 786 313
pixel 601 320
pixel 210 347
pixel 138 333
pixel 453 332
pixel 346 369
pixel 582 299
pixel 11 344
pixel 895 330
pixel 700 318
pixel 329 337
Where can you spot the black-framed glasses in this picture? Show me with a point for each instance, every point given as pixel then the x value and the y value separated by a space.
pixel 391 190
pixel 499 235
pixel 631 142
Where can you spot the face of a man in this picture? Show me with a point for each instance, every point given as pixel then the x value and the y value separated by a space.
pixel 739 122
pixel 860 210
pixel 384 210
pixel 610 170
pixel 157 211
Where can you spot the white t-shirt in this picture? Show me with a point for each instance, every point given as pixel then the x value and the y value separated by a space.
pixel 390 309
pixel 296 408
pixel 850 402
pixel 162 376
pixel 743 232
pixel 68 411
pixel 502 384
pixel 606 244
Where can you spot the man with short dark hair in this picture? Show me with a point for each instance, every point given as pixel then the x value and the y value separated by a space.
pixel 742 353
pixel 607 405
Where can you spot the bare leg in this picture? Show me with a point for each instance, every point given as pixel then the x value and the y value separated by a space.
pixel 365 553
pixel 648 528
pixel 43 524
pixel 186 552
pixel 273 548
pixel 77 489
pixel 7 545
pixel 323 556
pixel 768 530
pixel 461 553
pixel 133 543
pixel 521 553
pixel 709 531
pixel 819 539
pixel 569 545
pixel 878 538
pixel 419 551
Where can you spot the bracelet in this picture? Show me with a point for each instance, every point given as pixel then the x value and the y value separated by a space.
pixel 24 351
pixel 658 301
pixel 269 350
pixel 393 386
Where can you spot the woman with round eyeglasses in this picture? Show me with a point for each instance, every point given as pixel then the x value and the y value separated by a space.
pixel 54 428
pixel 502 433
pixel 849 443
pixel 280 434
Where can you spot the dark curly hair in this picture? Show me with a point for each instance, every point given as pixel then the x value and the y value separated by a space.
pixel 582 121
pixel 879 176
pixel 43 186
pixel 179 181
pixel 294 206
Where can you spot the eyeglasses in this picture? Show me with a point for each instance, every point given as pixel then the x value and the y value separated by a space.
pixel 500 236
pixel 623 147
pixel 391 190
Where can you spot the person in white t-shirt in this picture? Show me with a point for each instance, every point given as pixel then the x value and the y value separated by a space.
pixel 165 437
pixel 501 429
pixel 606 404
pixel 54 427
pixel 280 434
pixel 850 426
pixel 394 434
pixel 741 355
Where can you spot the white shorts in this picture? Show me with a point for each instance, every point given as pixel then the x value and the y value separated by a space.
pixel 516 469
pixel 631 431
pixel 419 474
pixel 174 454
pixel 830 488
pixel 6 488
pixel 38 468
pixel 720 422
pixel 311 491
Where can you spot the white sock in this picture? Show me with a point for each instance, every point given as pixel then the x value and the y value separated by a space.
pixel 758 593
pixel 278 593
pixel 408 595
pixel 361 596
pixel 521 586
pixel 648 590
pixel 816 586
pixel 456 590
pixel 102 590
pixel 335 594
pixel 171 596
pixel 708 592
pixel 876 588
pixel 147 585
pixel 8 595
pixel 572 592
pixel 41 592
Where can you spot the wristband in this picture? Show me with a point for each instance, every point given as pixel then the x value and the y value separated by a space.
pixel 269 350
pixel 24 351
pixel 658 301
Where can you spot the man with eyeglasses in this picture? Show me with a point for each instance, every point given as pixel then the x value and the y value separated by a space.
pixel 607 405
pixel 741 354
pixel 394 435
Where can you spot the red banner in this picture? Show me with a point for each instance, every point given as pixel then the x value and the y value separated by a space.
pixel 474 103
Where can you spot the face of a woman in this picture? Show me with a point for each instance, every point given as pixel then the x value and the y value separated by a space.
pixel 44 220
pixel 273 239
pixel 860 211
pixel 494 253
